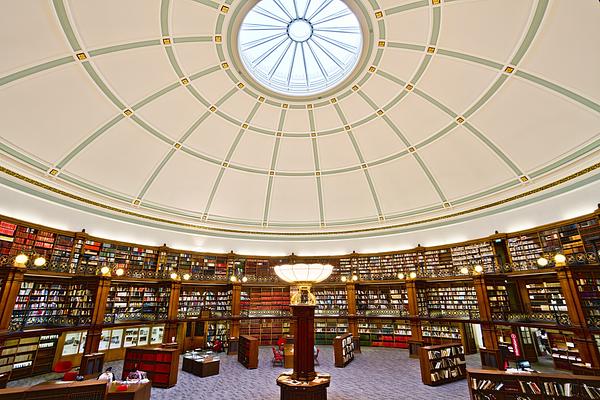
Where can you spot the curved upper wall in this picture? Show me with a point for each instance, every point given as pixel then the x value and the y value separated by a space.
pixel 459 116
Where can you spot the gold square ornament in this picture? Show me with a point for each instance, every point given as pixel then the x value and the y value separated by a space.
pixel 378 14
pixel 185 81
pixel 81 56
pixel 53 172
pixel 509 70
pixel 218 38
pixel 372 69
pixel 166 41
pixel 127 112
pixel 431 50
pixel 224 9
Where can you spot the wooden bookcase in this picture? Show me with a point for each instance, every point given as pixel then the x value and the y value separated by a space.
pixel 382 300
pixel 588 287
pixel 328 328
pixel 248 352
pixel 442 364
pixel 500 385
pixel 388 332
pixel 331 301
pixel 27 356
pixel 195 299
pixel 160 364
pixel 564 351
pixel 343 350
pixel 128 301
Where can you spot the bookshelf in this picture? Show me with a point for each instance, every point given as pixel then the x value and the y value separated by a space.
pixel 160 364
pixel 450 299
pixel 330 301
pixel 498 298
pixel 343 350
pixel 500 385
pixel 442 364
pixel 382 300
pixel 328 328
pixel 27 356
pixel 564 351
pixel 546 297
pixel 52 303
pixel 248 352
pixel 525 250
pixel 378 332
pixel 478 253
pixel 266 330
pixel 195 299
pixel 217 330
pixel 266 301
pixel 128 301
pixel 588 287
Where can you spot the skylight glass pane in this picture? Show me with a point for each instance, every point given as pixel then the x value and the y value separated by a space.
pixel 300 47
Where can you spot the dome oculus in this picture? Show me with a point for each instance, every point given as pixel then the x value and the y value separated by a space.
pixel 300 47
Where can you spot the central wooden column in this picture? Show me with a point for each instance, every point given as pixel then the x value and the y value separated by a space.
pixel 314 386
pixel 94 334
pixel 11 284
pixel 172 314
pixel 304 342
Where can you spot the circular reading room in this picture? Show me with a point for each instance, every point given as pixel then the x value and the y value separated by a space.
pixel 300 200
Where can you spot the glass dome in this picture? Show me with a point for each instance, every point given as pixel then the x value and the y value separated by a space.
pixel 300 47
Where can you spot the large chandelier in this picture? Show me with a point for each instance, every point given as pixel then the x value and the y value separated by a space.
pixel 304 275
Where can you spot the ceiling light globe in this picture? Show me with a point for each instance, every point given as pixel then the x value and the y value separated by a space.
pixel 21 259
pixel 293 273
pixel 39 262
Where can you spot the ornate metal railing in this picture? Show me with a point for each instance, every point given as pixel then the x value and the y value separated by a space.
pixel 561 319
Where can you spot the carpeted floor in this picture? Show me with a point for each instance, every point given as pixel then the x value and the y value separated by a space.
pixel 375 374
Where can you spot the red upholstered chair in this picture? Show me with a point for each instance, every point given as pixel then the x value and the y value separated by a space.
pixel 62 367
pixel 277 357
pixel 70 376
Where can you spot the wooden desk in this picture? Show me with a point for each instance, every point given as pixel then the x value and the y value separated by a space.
pixel 201 367
pixel 135 391
pixel 86 390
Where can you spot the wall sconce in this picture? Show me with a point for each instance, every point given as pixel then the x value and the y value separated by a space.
pixel 542 261
pixel 401 276
pixel 354 278
pixel 39 261
pixel 244 279
pixel 186 277
pixel 120 272
pixel 344 279
pixel 478 269
pixel 21 259
pixel 174 276
pixel 233 278
pixel 105 271
pixel 413 275
pixel 560 260
pixel 464 271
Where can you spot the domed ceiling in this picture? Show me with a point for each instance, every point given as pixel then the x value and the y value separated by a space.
pixel 144 107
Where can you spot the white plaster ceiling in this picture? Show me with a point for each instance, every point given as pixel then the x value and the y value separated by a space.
pixel 141 107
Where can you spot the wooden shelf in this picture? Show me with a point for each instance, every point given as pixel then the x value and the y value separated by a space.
pixel 442 364
pixel 343 350
pixel 248 352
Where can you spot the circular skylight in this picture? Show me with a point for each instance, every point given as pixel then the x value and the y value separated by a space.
pixel 300 47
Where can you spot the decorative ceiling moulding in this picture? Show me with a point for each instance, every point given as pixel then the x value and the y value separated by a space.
pixel 581 178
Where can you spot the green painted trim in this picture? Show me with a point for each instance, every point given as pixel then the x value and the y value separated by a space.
pixel 35 69
pixel 421 69
pixel 164 17
pixel 61 13
pixel 390 77
pixel 155 96
pixel 268 201
pixel 558 89
pixel 406 7
pixel 431 178
pixel 367 99
pixel 507 185
pixel 226 97
pixel 406 46
pixel 213 191
pixel 193 127
pixel 540 11
pixel 86 142
pixel 435 30
pixel 173 61
pixel 151 130
pixel 491 145
pixel 94 188
pixel 23 157
pixel 123 47
pixel 208 3
pixel 488 95
pixel 467 57
pixel 102 86
pixel 321 205
pixel 435 102
pixel 571 157
pixel 437 135
pixel 192 39
pixel 198 96
pixel 154 175
pixel 204 72
pixel 396 130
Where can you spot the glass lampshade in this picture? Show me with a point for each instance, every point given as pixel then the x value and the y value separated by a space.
pixel 294 273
